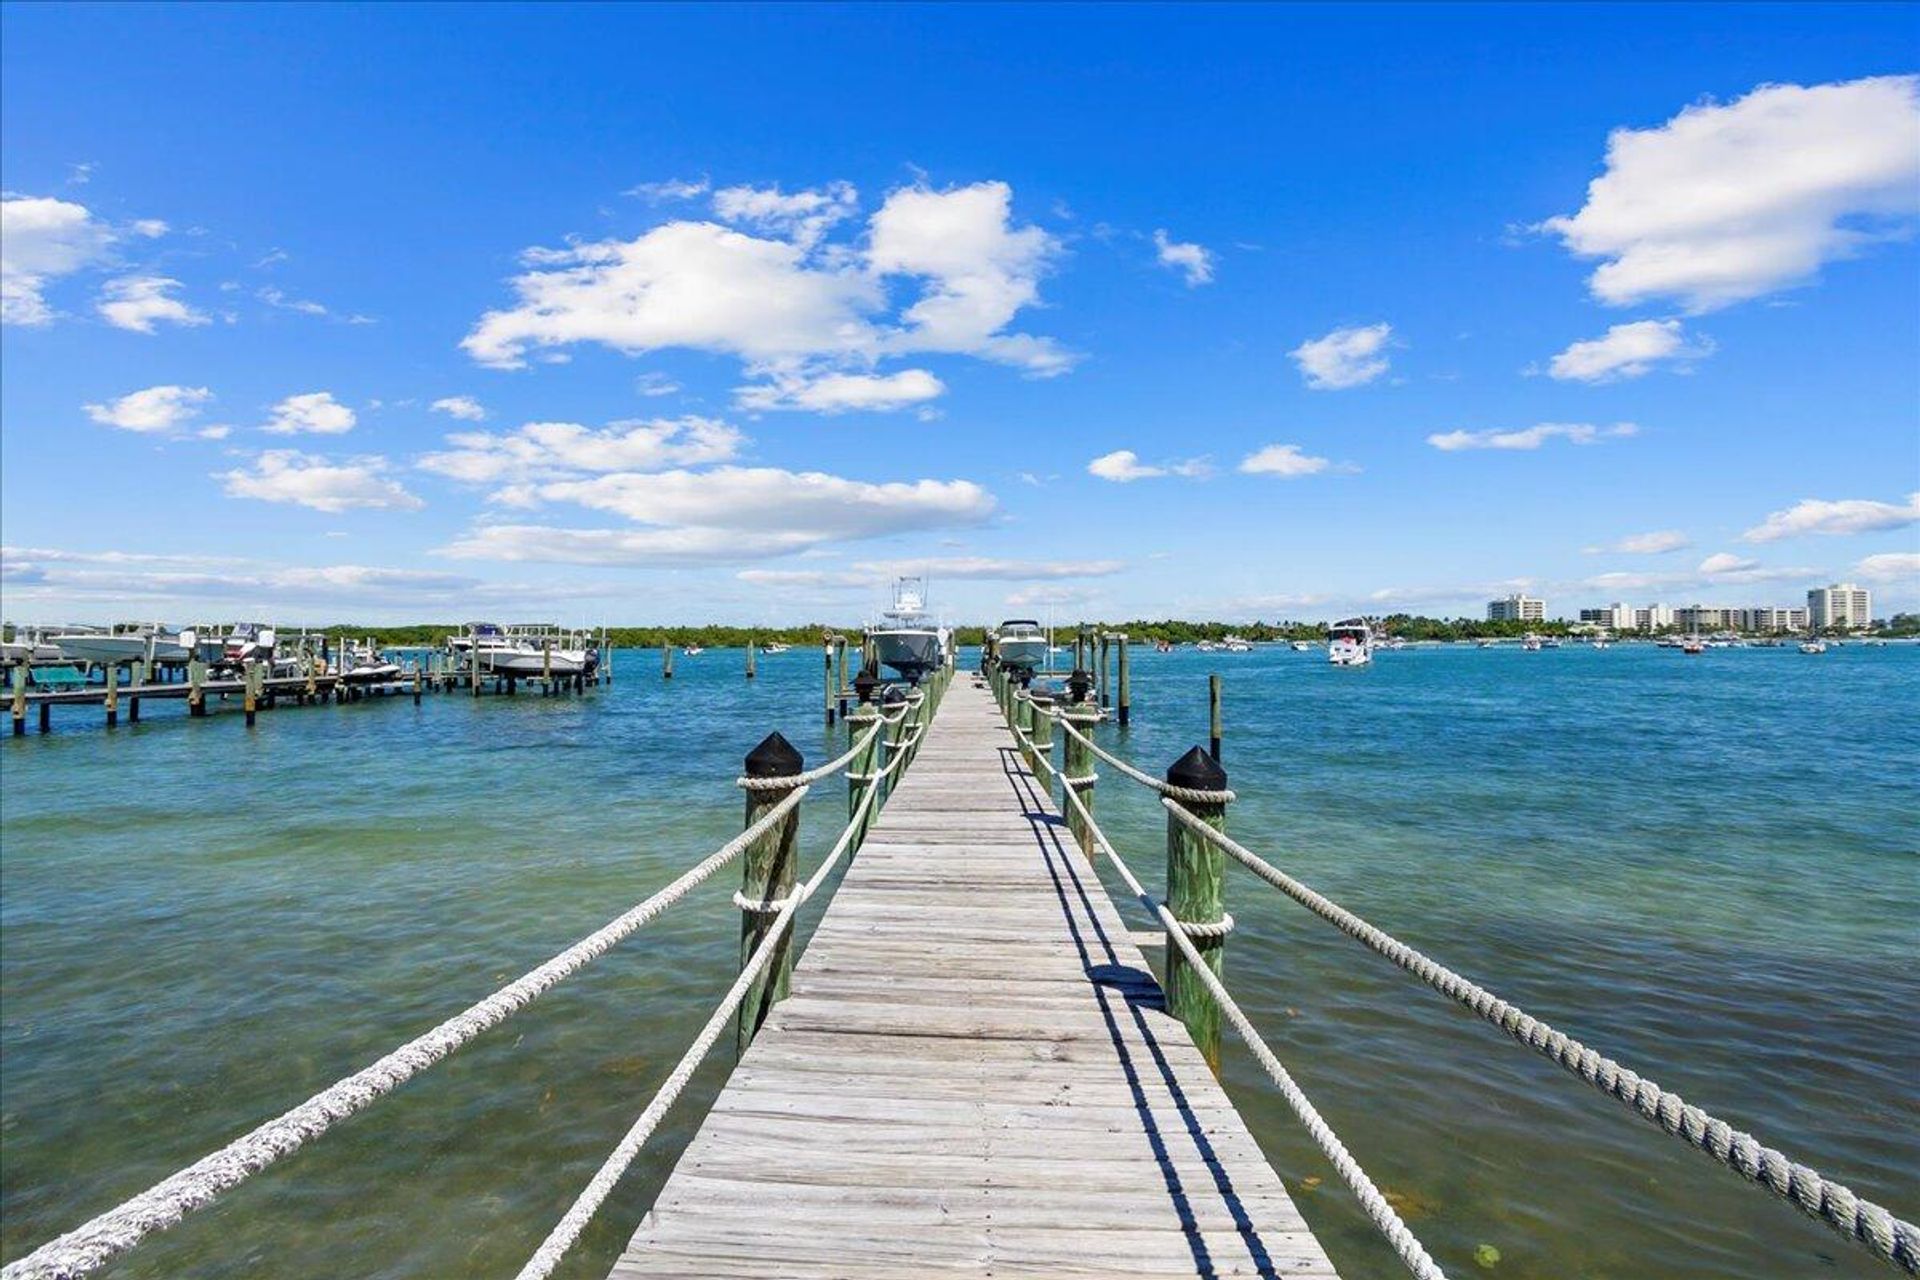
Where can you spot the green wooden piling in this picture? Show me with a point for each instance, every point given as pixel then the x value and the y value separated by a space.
pixel 1106 682
pixel 250 699
pixel 19 699
pixel 1126 684
pixel 766 877
pixel 196 688
pixel 753 649
pixel 860 772
pixel 112 699
pixel 1076 768
pixel 139 680
pixel 1196 872
pixel 1040 717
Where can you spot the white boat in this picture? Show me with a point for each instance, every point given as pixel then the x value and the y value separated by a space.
pixel 1813 646
pixel 905 639
pixel 523 651
pixel 29 646
pixel 124 643
pixel 364 664
pixel 1350 643
pixel 246 642
pixel 774 647
pixel 1021 644
pixel 1301 646
pixel 1237 644
pixel 693 651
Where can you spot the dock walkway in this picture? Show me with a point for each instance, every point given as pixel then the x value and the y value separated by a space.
pixel 974 1073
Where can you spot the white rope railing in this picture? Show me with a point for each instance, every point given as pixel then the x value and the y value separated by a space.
pixel 1411 1252
pixel 1862 1221
pixel 91 1245
pixel 567 1231
pixel 1167 789
pixel 787 782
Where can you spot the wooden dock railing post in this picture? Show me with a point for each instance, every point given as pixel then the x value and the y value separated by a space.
pixel 1196 870
pixel 894 700
pixel 1126 684
pixel 1106 673
pixel 1213 715
pixel 766 877
pixel 250 697
pixel 860 772
pixel 840 674
pixel 1076 762
pixel 1041 718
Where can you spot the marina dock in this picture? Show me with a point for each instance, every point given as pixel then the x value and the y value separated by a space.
pixel 975 1072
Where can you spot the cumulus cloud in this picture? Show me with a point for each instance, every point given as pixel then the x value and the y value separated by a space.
pixel 1889 566
pixel 156 410
pixel 545 450
pixel 784 302
pixel 991 568
pixel 1283 460
pixel 1344 358
pixel 1123 466
pixel 1193 261
pixel 550 544
pixel 304 479
pixel 137 303
pixel 1726 202
pixel 315 413
pixel 465 408
pixel 669 189
pixel 1628 351
pixel 42 239
pixel 1842 516
pixel 840 392
pixel 1725 562
pixel 1658 542
pixel 1530 437
pixel 803 217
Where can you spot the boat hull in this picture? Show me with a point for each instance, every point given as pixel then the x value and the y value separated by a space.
pixel 910 651
pixel 523 662
pixel 1028 654
pixel 119 650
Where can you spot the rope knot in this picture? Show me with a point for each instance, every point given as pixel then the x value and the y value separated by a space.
pixel 1195 929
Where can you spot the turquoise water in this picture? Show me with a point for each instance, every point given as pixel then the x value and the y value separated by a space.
pixel 1705 866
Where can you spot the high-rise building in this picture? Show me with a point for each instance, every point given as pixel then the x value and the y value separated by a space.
pixel 1616 617
pixel 1841 605
pixel 1652 617
pixel 1516 608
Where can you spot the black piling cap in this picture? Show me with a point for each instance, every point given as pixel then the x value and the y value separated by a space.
pixel 1197 771
pixel 1079 684
pixel 864 684
pixel 1041 692
pixel 894 695
pixel 773 758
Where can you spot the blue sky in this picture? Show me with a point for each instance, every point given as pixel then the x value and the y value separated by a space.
pixel 1233 312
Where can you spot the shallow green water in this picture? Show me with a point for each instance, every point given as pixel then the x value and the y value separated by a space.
pixel 1705 866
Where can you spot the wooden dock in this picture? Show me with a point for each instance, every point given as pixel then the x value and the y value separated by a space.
pixel 974 1073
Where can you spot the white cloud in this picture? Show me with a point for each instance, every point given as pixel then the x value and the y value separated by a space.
pixel 1728 202
pixel 670 189
pixel 1530 437
pixel 151 228
pixel 803 217
pixel 655 384
pixel 978 270
pixel 1284 460
pixel 137 302
pixel 316 412
pixel 42 239
pixel 1053 594
pixel 547 450
pixel 286 475
pixel 279 299
pixel 812 504
pixel 465 408
pixel 219 431
pixel 548 544
pixel 1628 351
pixel 154 410
pixel 840 392
pixel 1123 466
pixel 792 307
pixel 1724 562
pixel 990 568
pixel 1889 566
pixel 1193 261
pixel 1344 358
pixel 1844 516
pixel 1646 544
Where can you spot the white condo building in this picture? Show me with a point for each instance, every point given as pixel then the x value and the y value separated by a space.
pixel 1841 605
pixel 1517 609
pixel 1615 617
pixel 1653 617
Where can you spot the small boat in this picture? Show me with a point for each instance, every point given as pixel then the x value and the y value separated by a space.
pixel 1020 644
pixel 124 643
pixel 1813 646
pixel 905 639
pixel 693 651
pixel 1483 644
pixel 1350 643
pixel 28 646
pixel 363 664
pixel 1300 646
pixel 1237 644
pixel 247 642
pixel 1693 646
pixel 530 650
pixel 1531 644
pixel 773 647
pixel 1161 646
pixel 1602 644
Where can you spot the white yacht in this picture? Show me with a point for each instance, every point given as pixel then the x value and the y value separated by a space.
pixel 773 647
pixel 247 642
pixel 1301 646
pixel 906 639
pixel 1021 644
pixel 1350 643
pixel 28 645
pixel 523 651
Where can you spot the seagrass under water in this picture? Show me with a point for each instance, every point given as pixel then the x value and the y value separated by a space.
pixel 1706 864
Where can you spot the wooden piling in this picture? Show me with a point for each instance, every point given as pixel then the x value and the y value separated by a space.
pixel 860 772
pixel 1126 684
pixel 666 660
pixel 196 688
pixel 766 877
pixel 1076 772
pixel 826 679
pixel 416 684
pixel 112 700
pixel 1106 683
pixel 1041 720
pixel 752 651
pixel 140 670
pixel 250 699
pixel 1196 873
pixel 1213 715
pixel 19 699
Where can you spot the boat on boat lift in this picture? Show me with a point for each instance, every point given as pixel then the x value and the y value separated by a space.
pixel 1021 643
pixel 906 638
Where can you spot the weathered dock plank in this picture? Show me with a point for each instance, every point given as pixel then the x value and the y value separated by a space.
pixel 974 1075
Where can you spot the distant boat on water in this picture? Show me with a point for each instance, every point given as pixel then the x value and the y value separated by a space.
pixel 1350 643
